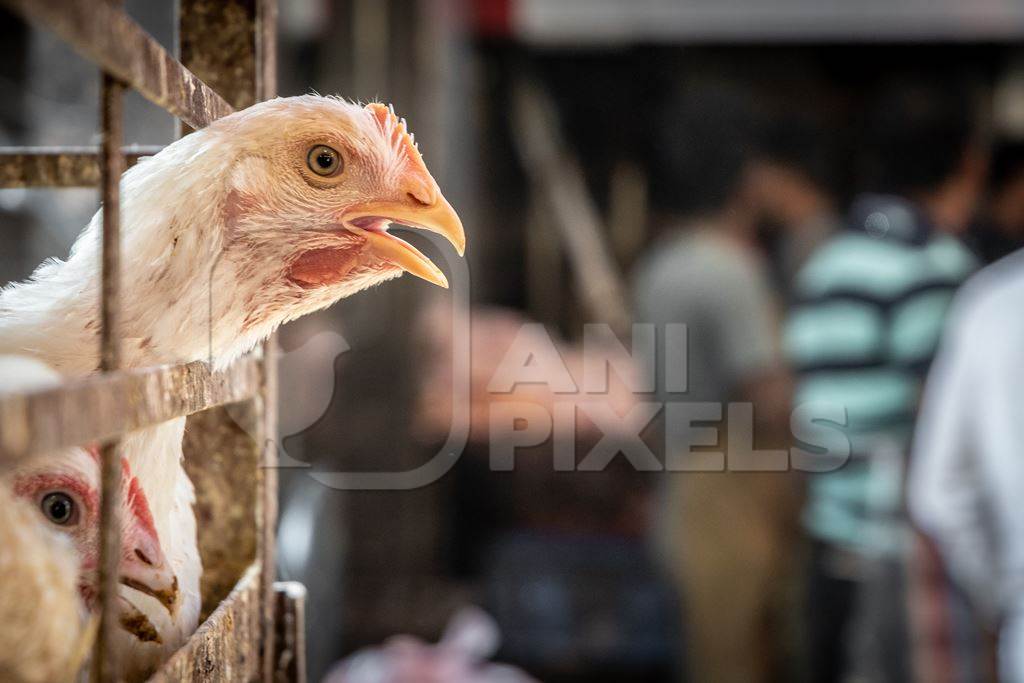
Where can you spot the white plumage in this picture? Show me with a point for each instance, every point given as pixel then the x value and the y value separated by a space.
pixel 42 625
pixel 49 558
pixel 226 234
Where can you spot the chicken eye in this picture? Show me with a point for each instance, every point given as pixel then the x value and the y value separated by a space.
pixel 324 161
pixel 59 508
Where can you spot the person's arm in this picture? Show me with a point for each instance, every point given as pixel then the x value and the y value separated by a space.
pixel 944 490
pixel 749 335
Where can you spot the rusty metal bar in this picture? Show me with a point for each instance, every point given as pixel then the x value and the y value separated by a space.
pixel 105 661
pixel 266 50
pixel 227 44
pixel 222 458
pixel 100 407
pixel 268 507
pixel 102 33
pixel 230 44
pixel 60 166
pixel 266 88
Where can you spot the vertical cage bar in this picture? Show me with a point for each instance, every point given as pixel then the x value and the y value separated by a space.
pixel 266 88
pixel 268 514
pixel 106 666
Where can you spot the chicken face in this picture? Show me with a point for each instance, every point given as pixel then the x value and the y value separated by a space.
pixel 65 491
pixel 314 186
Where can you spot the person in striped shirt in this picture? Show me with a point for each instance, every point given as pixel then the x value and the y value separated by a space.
pixel 869 310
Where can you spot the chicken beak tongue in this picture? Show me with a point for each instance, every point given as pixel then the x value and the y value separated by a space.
pixel 426 209
pixel 405 256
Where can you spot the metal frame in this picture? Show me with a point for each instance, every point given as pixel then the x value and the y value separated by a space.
pixel 229 44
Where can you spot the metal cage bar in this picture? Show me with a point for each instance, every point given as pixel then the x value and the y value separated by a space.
pixel 105 664
pixel 102 33
pixel 59 166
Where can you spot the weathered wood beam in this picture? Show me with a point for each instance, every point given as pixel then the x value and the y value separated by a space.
pixel 59 166
pixel 222 459
pixel 226 646
pixel 101 407
pixel 106 35
pixel 217 42
pixel 230 45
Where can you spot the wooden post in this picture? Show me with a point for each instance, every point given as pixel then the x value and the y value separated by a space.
pixel 230 45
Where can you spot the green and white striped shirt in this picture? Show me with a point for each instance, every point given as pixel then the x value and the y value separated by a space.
pixel 869 311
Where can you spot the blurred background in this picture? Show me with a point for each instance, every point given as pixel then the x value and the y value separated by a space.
pixel 804 185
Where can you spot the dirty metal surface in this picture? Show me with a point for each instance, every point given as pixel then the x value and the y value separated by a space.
pixel 230 45
pixel 100 407
pixel 222 455
pixel 105 664
pixel 59 166
pixel 105 35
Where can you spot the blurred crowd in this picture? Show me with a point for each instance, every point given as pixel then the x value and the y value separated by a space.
pixel 877 303
pixel 896 299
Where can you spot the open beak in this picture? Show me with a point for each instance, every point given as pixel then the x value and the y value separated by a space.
pixel 425 208
pixel 145 569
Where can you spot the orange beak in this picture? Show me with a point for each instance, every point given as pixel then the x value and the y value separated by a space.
pixel 437 216
pixel 421 206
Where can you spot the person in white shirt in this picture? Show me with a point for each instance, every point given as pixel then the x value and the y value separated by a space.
pixel 966 488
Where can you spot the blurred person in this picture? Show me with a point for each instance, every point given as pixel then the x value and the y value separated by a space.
pixel 1000 229
pixel 792 180
pixel 871 302
pixel 724 535
pixel 967 471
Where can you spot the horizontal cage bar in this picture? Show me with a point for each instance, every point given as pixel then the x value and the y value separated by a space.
pixel 107 36
pixel 59 166
pixel 103 406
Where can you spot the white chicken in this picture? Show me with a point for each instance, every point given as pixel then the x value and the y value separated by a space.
pixel 42 624
pixel 49 553
pixel 264 216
